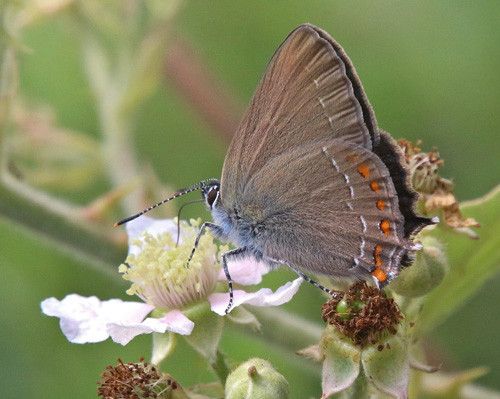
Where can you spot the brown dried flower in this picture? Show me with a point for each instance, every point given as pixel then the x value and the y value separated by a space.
pixel 137 381
pixel 436 192
pixel 362 313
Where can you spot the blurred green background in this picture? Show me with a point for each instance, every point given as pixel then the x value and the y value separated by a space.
pixel 430 70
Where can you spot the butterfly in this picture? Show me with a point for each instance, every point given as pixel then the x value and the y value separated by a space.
pixel 310 181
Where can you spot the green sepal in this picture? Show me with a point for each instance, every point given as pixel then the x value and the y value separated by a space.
pixel 207 330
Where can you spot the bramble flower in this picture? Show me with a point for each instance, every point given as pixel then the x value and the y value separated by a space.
pixel 177 296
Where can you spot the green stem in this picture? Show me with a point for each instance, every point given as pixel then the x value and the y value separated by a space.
pixel 22 206
pixel 8 77
pixel 359 389
pixel 26 208
pixel 220 368
pixel 109 81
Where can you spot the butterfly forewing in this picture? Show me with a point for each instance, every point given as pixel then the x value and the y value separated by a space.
pixel 305 95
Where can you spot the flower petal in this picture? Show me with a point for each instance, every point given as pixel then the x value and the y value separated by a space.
pixel 174 321
pixel 85 319
pixel 263 297
pixel 247 271
pixel 153 226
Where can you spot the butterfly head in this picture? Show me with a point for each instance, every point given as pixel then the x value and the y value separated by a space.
pixel 211 194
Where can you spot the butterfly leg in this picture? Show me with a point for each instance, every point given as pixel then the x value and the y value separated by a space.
pixel 233 253
pixel 305 277
pixel 197 241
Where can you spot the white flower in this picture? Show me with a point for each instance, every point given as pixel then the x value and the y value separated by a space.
pixel 156 267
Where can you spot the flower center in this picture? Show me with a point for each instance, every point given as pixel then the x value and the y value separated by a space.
pixel 159 272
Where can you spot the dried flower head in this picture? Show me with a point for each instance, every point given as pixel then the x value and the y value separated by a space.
pixel 436 192
pixel 363 313
pixel 136 381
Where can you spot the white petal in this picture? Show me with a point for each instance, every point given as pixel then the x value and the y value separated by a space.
pixel 85 319
pixel 263 297
pixel 246 271
pixel 152 226
pixel 174 321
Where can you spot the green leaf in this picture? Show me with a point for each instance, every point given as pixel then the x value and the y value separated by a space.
pixel 471 262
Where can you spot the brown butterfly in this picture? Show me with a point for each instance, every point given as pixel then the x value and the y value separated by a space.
pixel 309 180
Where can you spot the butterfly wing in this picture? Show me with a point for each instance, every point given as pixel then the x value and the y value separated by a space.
pixel 337 215
pixel 310 172
pixel 309 91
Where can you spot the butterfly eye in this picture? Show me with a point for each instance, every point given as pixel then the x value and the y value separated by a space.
pixel 211 195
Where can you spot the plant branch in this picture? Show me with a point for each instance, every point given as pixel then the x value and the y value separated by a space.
pixel 49 219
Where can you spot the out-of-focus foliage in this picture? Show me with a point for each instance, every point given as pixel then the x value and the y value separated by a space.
pixel 430 70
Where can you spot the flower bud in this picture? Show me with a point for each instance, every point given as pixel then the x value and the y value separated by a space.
pixel 426 273
pixel 256 379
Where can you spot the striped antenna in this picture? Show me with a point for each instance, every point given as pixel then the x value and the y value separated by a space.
pixel 197 186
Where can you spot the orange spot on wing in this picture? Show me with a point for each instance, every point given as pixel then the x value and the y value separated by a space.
pixel 380 205
pixel 384 226
pixel 352 158
pixel 379 274
pixel 374 186
pixel 376 255
pixel 363 170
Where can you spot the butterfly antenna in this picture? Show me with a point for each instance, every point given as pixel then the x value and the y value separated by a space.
pixel 198 186
pixel 179 218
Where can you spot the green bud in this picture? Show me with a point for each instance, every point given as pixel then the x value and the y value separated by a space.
pixel 256 379
pixel 426 273
pixel 357 305
pixel 342 309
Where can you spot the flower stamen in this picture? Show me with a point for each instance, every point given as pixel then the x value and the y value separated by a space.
pixel 158 271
